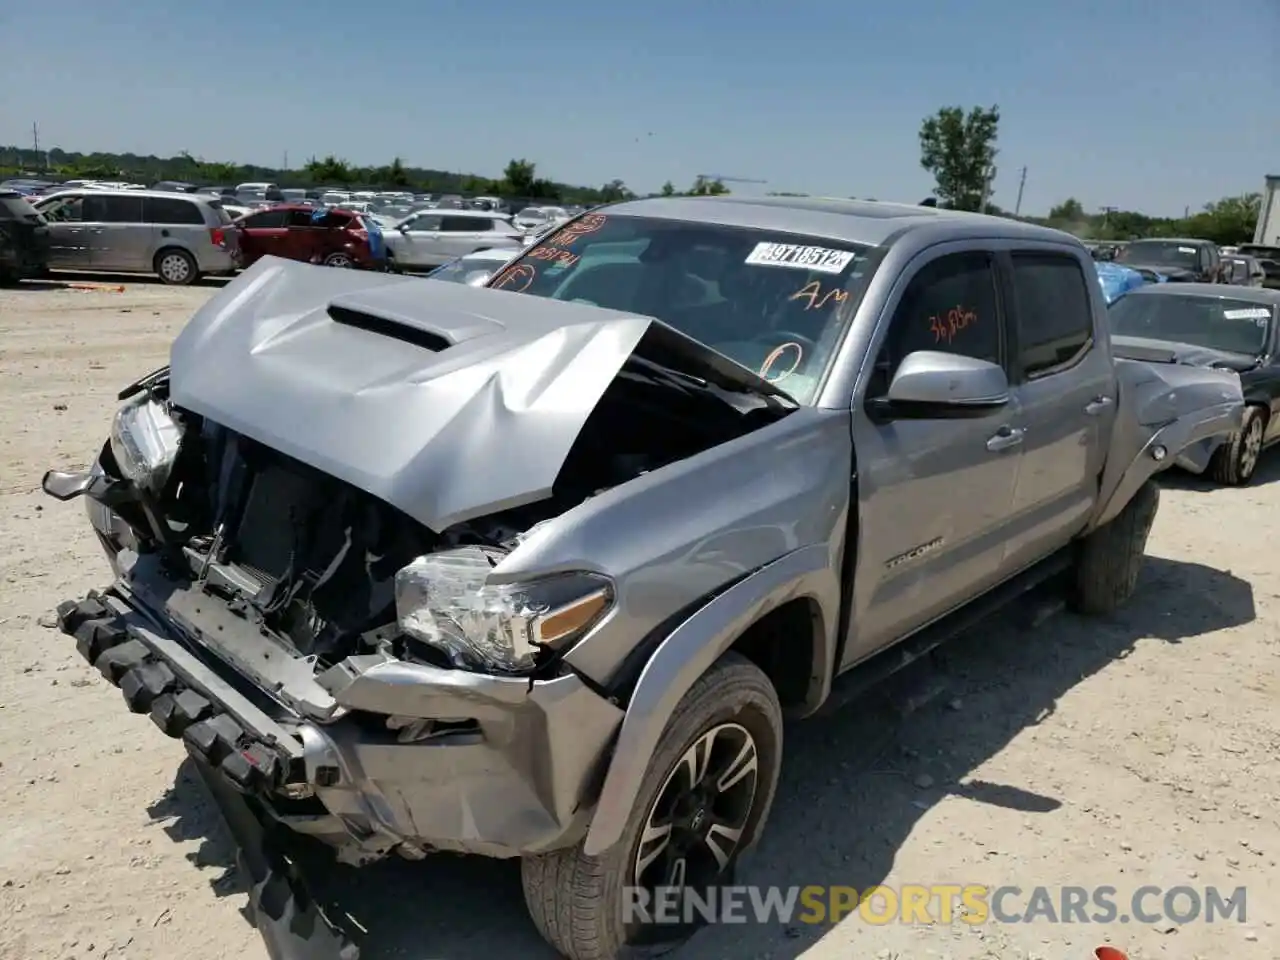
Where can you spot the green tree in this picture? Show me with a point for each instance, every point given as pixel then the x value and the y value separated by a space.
pixel 520 177
pixel 1230 220
pixel 396 176
pixel 668 189
pixel 331 170
pixel 704 187
pixel 615 190
pixel 1068 211
pixel 959 150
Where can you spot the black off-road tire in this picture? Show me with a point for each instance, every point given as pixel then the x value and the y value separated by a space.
pixel 1110 557
pixel 1234 464
pixel 576 900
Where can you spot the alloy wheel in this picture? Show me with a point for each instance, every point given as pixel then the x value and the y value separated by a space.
pixel 698 818
pixel 1251 448
pixel 175 268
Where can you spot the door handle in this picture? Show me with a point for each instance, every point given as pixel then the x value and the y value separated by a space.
pixel 1005 438
pixel 1097 405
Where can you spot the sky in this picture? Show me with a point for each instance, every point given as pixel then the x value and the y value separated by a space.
pixel 1156 107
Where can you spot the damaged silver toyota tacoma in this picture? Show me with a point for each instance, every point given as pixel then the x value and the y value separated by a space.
pixel 537 570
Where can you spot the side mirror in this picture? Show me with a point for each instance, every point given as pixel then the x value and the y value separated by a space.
pixel 930 385
pixel 402 227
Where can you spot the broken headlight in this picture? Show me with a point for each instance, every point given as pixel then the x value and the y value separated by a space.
pixel 445 601
pixel 144 442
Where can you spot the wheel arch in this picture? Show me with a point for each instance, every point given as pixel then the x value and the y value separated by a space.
pixel 752 617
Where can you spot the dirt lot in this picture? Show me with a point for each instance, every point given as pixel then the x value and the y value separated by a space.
pixel 1136 750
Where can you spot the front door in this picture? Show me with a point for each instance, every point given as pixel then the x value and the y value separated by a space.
pixel 263 234
pixel 420 246
pixel 1066 389
pixel 68 233
pixel 934 495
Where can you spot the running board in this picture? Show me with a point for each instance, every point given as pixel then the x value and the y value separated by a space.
pixel 871 672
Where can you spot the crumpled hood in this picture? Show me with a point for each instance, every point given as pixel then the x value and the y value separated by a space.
pixel 1170 351
pixel 446 401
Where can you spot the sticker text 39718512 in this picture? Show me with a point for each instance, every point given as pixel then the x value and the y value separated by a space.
pixel 799 257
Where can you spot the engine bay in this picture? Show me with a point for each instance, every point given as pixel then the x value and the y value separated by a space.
pixel 309 561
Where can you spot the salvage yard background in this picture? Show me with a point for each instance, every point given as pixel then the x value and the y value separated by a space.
pixel 1135 750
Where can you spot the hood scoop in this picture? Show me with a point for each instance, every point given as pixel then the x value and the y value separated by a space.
pixel 396 329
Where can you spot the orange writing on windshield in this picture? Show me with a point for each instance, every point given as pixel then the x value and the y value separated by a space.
pixel 946 326
pixel 517 279
pixel 815 299
pixel 589 223
pixel 553 255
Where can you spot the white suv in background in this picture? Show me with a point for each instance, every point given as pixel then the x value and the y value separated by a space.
pixel 430 238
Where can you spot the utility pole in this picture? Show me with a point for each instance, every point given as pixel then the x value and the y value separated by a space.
pixel 35 141
pixel 285 166
pixel 989 178
pixel 1022 182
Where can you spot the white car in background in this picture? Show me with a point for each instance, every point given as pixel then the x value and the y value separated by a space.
pixel 536 218
pixel 475 268
pixel 431 238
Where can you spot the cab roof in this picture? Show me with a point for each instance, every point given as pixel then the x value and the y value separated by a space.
pixel 852 221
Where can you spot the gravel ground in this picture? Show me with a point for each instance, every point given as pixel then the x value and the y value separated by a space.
pixel 1135 750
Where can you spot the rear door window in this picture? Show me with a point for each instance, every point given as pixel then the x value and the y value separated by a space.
pixel 171 210
pixel 1055 314
pixel 465 224
pixel 112 208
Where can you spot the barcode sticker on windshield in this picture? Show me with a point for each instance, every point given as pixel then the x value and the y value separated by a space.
pixel 1252 313
pixel 819 259
pixel 1186 249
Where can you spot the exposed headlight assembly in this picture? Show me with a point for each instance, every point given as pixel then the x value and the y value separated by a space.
pixel 445 601
pixel 144 441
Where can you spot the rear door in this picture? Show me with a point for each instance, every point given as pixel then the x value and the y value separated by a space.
pixel 263 234
pixel 460 235
pixel 1065 384
pixel 304 240
pixel 119 239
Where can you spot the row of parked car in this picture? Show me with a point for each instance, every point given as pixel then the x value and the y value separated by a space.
pixel 1247 265
pixel 182 236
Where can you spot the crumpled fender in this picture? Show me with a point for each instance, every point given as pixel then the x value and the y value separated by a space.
pixel 687 653
pixel 1162 406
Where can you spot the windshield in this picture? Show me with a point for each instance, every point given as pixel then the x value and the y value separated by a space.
pixel 1220 323
pixel 1159 253
pixel 532 213
pixel 776 303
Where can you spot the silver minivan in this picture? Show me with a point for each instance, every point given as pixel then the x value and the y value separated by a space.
pixel 179 237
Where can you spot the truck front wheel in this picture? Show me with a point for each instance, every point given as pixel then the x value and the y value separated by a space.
pixel 1111 557
pixel 702 804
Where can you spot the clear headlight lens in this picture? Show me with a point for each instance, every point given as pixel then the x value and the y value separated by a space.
pixel 444 600
pixel 144 440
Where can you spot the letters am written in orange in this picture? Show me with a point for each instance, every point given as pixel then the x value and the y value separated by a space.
pixel 946 326
pixel 815 298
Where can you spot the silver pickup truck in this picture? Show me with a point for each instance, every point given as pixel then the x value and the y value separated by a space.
pixel 537 570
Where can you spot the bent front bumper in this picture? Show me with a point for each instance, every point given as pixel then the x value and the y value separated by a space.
pixel 513 772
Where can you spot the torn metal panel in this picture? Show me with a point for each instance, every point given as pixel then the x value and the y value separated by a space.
pixel 446 401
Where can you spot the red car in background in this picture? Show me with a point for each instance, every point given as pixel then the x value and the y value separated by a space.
pixel 334 237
